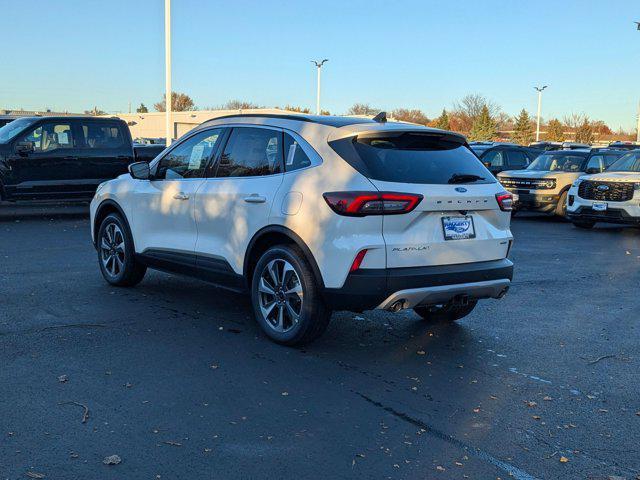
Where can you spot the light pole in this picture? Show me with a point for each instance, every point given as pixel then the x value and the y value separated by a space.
pixel 168 97
pixel 319 67
pixel 539 90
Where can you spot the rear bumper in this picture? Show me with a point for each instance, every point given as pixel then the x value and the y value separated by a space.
pixel 367 289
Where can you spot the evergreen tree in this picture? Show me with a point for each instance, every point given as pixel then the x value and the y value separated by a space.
pixel 442 121
pixel 484 127
pixel 555 131
pixel 523 130
pixel 142 109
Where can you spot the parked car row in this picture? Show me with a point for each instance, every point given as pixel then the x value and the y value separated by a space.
pixel 544 184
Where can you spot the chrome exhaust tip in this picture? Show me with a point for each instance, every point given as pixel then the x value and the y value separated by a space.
pixel 397 305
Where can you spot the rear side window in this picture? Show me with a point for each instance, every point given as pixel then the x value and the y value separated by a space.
pixel 410 157
pixel 251 152
pixel 101 136
pixel 294 156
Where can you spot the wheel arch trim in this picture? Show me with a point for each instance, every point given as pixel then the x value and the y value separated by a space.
pixel 113 204
pixel 297 240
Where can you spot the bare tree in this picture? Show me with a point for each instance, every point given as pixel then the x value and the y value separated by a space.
pixel 412 116
pixel 239 105
pixel 467 111
pixel 180 102
pixel 362 109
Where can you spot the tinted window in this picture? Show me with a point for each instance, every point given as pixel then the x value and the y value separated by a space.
pixel 50 136
pixel 494 157
pixel 251 152
pixel 610 160
pixel 189 158
pixel 596 162
pixel 102 136
pixel 294 156
pixel 410 157
pixel 627 163
pixel 558 162
pixel 517 158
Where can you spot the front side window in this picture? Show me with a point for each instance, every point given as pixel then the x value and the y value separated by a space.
pixel 627 163
pixel 50 136
pixel 553 162
pixel 251 152
pixel 596 162
pixel 99 136
pixel 518 159
pixel 294 156
pixel 189 158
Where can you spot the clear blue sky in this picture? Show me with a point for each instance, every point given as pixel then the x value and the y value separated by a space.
pixel 74 54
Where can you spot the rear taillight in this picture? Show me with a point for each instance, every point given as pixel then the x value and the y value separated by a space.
pixel 505 201
pixel 360 204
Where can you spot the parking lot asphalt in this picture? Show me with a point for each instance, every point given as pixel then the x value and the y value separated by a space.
pixel 178 381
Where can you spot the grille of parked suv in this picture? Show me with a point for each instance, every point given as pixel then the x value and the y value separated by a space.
pixel 608 191
pixel 529 183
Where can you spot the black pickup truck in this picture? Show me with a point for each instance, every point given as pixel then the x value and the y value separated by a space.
pixel 65 158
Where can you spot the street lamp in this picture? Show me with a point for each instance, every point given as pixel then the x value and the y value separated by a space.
pixel 319 67
pixel 168 97
pixel 539 90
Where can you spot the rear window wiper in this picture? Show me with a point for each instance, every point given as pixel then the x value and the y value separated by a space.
pixel 464 178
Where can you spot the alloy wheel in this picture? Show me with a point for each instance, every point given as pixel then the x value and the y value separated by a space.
pixel 280 295
pixel 112 249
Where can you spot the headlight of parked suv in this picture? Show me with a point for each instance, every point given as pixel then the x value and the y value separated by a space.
pixel 636 186
pixel 576 184
pixel 549 183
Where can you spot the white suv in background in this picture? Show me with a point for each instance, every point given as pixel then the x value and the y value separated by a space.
pixel 611 196
pixel 312 214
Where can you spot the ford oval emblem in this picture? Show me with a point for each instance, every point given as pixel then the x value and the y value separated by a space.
pixel 460 189
pixel 603 188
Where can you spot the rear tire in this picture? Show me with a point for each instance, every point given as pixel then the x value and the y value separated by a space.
pixel 116 253
pixel 561 208
pixel 585 224
pixel 287 298
pixel 445 313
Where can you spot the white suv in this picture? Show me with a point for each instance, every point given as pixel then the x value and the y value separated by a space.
pixel 611 196
pixel 313 214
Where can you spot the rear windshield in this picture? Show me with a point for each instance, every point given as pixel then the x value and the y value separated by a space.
pixel 410 157
pixel 559 162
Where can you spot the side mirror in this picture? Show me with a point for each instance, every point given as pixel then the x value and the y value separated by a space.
pixel 592 170
pixel 24 148
pixel 140 170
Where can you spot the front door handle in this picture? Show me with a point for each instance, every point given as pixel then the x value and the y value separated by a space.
pixel 181 196
pixel 255 198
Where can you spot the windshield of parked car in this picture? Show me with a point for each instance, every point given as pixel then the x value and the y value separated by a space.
pixel 413 157
pixel 554 162
pixel 11 129
pixel 627 163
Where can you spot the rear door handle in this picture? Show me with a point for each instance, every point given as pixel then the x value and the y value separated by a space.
pixel 255 198
pixel 181 196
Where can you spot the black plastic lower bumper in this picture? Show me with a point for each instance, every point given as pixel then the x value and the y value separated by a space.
pixel 536 202
pixel 367 288
pixel 611 215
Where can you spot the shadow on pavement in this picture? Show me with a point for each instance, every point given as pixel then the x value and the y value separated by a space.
pixel 38 211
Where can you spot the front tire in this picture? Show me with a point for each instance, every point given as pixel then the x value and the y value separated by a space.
pixel 561 208
pixel 445 313
pixel 116 253
pixel 287 298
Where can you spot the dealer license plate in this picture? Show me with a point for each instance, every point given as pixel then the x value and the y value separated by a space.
pixel 458 228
